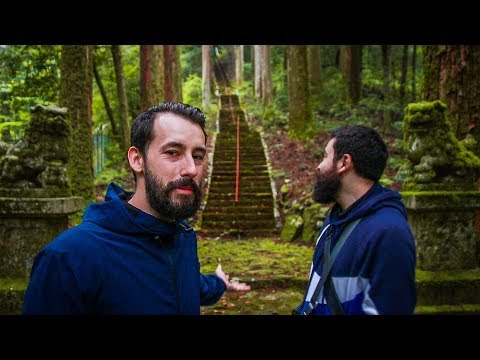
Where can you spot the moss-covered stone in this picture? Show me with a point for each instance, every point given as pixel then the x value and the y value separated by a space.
pixel 292 228
pixel 443 224
pixel 39 159
pixel 11 295
pixel 27 225
pixel 448 288
pixel 438 160
pixel 312 222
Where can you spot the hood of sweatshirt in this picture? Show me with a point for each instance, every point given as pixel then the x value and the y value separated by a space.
pixel 112 214
pixel 374 199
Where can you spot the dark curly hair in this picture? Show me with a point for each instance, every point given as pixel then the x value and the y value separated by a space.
pixel 366 147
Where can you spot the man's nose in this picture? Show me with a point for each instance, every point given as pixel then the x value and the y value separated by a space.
pixel 189 169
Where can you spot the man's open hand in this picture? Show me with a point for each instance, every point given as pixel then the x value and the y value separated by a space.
pixel 231 285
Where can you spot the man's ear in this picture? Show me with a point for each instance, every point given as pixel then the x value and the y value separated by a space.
pixel 345 163
pixel 135 159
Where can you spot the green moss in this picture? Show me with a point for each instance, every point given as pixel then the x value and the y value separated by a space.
pixel 447 275
pixel 257 259
pixel 446 195
pixel 447 309
pixel 438 160
pixel 13 284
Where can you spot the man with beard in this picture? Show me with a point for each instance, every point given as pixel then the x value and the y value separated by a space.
pixel 373 273
pixel 134 253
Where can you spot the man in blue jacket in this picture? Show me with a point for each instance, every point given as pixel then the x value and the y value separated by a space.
pixel 374 271
pixel 134 253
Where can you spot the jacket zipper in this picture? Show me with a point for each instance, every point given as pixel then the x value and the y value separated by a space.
pixel 177 295
pixel 183 228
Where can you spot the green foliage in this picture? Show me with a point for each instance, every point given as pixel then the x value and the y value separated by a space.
pixel 247 71
pixel 333 88
pixel 29 74
pixel 109 174
pixel 116 168
pixel 131 70
pixel 278 174
pixel 192 90
pixel 274 118
pixel 279 77
pixel 192 95
pixel 191 61
pixel 319 153
pixel 15 128
pixel 103 59
pixel 385 180
pixel 114 154
pixel 351 114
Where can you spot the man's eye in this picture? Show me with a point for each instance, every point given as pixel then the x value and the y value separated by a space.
pixel 172 152
pixel 198 159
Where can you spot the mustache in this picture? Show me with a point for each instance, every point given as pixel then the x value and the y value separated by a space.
pixel 183 182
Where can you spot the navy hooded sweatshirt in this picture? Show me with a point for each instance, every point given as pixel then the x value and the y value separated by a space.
pixel 119 261
pixel 374 272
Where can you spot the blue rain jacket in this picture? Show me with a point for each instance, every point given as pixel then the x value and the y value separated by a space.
pixel 119 261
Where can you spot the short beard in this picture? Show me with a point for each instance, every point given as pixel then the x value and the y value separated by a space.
pixel 326 187
pixel 160 199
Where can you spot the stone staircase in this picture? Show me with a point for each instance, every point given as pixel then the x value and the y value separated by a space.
pixel 253 214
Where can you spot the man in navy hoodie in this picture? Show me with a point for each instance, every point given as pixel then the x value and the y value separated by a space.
pixel 134 253
pixel 374 271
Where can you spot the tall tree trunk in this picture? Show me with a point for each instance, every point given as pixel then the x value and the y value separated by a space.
pixel 151 76
pixel 430 89
pixel 239 64
pixel 386 62
pixel 76 67
pixel 300 114
pixel 206 76
pixel 350 60
pixel 452 75
pixel 403 78
pixel 173 73
pixel 414 74
pixel 106 103
pixel 315 71
pixel 258 70
pixel 122 96
pixel 267 90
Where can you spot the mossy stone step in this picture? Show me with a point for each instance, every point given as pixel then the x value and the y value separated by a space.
pixel 230 202
pixel 245 162
pixel 252 145
pixel 249 186
pixel 259 177
pixel 258 216
pixel 244 154
pixel 462 309
pixel 226 181
pixel 250 197
pixel 242 224
pixel 260 170
pixel 448 287
pixel 254 207
pixel 248 167
pixel 231 137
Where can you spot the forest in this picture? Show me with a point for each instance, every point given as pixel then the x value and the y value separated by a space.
pixel 293 93
pixel 293 96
